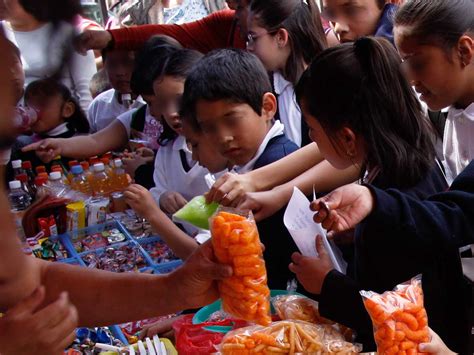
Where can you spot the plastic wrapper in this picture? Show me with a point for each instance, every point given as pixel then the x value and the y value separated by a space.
pixel 196 212
pixel 287 337
pixel 245 295
pixel 399 318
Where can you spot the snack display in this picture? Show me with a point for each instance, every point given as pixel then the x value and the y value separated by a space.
pixel 47 249
pixel 399 318
pixel 196 212
pixel 245 295
pixel 298 308
pixel 287 337
pixel 126 258
pixel 159 252
pixel 99 240
pixel 86 338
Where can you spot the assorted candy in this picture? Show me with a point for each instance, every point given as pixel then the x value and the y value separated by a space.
pixel 126 258
pixel 86 338
pixel 47 249
pixel 132 329
pixel 159 252
pixel 99 240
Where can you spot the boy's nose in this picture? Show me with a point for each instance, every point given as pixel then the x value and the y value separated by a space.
pixel 340 28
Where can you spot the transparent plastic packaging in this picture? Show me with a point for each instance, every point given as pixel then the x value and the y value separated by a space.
pixel 236 242
pixel 196 212
pixel 399 318
pixel 287 337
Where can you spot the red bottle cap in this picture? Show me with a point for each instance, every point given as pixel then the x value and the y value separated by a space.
pixel 22 177
pixel 40 181
pixel 45 174
pixel 105 160
pixel 26 165
pixel 40 169
pixel 85 165
pixel 73 163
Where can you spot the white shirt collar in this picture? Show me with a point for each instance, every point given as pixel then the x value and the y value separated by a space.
pixel 280 84
pixel 276 130
pixel 62 128
pixel 468 112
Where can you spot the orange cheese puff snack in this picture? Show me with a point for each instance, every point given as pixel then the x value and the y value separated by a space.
pixel 245 295
pixel 399 318
pixel 286 337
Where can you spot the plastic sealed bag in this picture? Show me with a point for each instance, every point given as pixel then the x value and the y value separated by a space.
pixel 287 337
pixel 399 318
pixel 196 212
pixel 236 242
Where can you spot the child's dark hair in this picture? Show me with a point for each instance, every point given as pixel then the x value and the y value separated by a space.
pixel 178 64
pixel 226 74
pixel 362 86
pixel 155 51
pixel 47 88
pixel 302 20
pixel 441 22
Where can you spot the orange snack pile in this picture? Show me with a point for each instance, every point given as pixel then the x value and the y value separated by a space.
pixel 399 318
pixel 287 337
pixel 245 295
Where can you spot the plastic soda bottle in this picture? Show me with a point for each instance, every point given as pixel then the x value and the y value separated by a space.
pixel 119 177
pixel 101 182
pixel 79 181
pixel 19 202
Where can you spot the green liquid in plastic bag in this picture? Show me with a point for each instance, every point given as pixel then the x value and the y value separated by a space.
pixel 197 212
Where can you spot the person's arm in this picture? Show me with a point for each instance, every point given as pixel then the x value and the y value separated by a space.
pixel 144 205
pixel 113 137
pixel 211 32
pixel 82 69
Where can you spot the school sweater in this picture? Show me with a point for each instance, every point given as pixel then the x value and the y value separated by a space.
pixel 273 234
pixel 105 108
pixel 385 25
pixel 218 30
pixel 381 263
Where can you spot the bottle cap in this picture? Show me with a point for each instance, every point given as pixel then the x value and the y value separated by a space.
pixel 57 168
pixel 41 180
pixel 26 165
pixel 73 163
pixel 55 175
pixel 14 184
pixel 99 167
pixel 22 177
pixel 118 163
pixel 105 160
pixel 40 169
pixel 85 165
pixel 16 164
pixel 45 174
pixel 76 169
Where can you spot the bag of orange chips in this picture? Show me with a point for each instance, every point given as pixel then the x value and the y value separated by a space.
pixel 235 239
pixel 399 318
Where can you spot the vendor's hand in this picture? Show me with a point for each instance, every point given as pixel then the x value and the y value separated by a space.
pixel 131 164
pixel 26 330
pixel 435 346
pixel 348 206
pixel 146 153
pixel 92 39
pixel 311 271
pixel 194 285
pixel 171 202
pixel 229 189
pixel 162 328
pixel 46 149
pixel 140 200
pixel 263 204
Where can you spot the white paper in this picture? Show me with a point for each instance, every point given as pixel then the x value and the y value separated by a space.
pixel 299 221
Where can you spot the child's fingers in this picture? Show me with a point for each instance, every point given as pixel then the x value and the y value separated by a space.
pixel 29 304
pixel 64 332
pixel 180 200
pixel 231 196
pixel 214 193
pixel 32 146
pixel 54 313
pixel 320 248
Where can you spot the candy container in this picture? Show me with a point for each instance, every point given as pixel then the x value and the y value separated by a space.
pixel 86 338
pixel 99 240
pixel 399 318
pixel 125 258
pixel 159 252
pixel 47 249
pixel 245 295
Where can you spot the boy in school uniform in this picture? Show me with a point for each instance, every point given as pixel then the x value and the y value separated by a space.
pixel 107 106
pixel 230 96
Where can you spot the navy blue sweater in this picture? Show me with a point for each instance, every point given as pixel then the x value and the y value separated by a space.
pixel 273 234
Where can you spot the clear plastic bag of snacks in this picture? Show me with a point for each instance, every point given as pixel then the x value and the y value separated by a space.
pixel 399 318
pixel 235 239
pixel 287 337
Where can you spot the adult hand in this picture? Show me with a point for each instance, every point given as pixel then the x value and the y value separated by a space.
pixel 435 346
pixel 46 149
pixel 140 200
pixel 172 201
pixel 26 330
pixel 311 271
pixel 92 39
pixel 229 189
pixel 131 164
pixel 194 285
pixel 343 208
pixel 264 204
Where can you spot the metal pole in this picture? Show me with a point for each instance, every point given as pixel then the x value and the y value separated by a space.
pixel 105 12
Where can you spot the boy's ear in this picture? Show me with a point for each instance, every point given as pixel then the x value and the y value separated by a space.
pixel 269 106
pixel 282 37
pixel 348 142
pixel 68 109
pixel 466 50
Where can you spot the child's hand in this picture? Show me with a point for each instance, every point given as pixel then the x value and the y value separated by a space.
pixel 26 330
pixel 263 204
pixel 311 271
pixel 46 149
pixel 146 153
pixel 230 188
pixel 163 328
pixel 140 200
pixel 435 346
pixel 133 163
pixel 171 202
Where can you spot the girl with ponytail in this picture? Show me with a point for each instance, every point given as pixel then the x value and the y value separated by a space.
pixel 286 36
pixel 361 111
